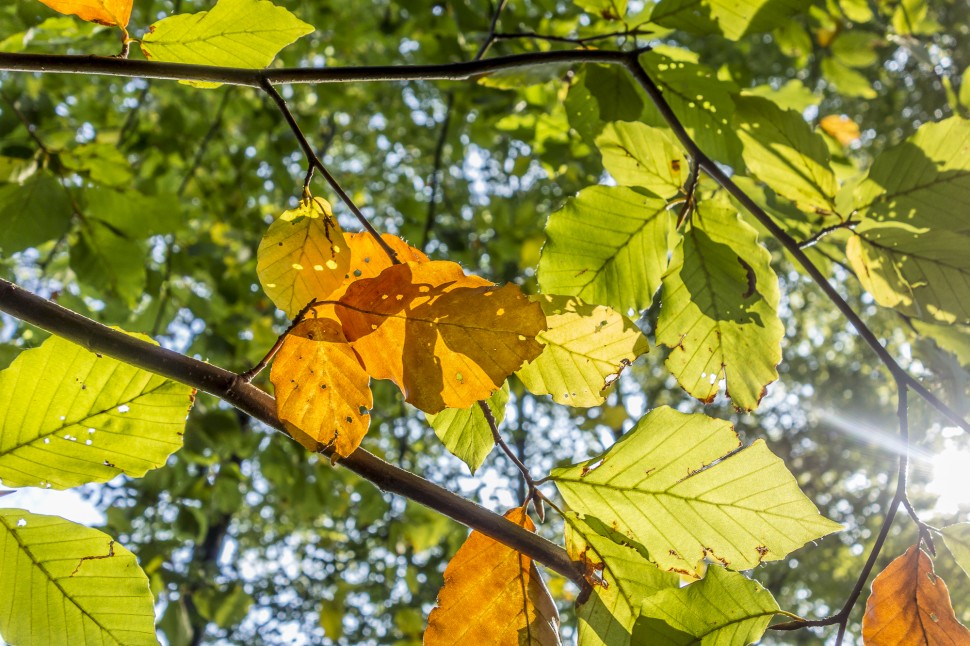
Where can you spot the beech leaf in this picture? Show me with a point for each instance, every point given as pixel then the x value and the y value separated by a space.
pixel 113 13
pixel 637 155
pixel 683 487
pixel 909 604
pixel 493 595
pixel 465 431
pixel 957 540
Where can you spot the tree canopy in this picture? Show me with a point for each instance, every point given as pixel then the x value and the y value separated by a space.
pixel 664 301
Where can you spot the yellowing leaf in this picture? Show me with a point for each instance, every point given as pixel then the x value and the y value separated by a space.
pixel 446 339
pixel 322 391
pixel 682 486
pixel 587 346
pixel 368 259
pixel 493 595
pixel 841 127
pixel 302 257
pixel 909 604
pixel 113 13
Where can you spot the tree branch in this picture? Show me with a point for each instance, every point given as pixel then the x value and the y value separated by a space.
pixel 230 388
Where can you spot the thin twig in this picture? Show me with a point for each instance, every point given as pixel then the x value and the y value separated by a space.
pixel 690 188
pixel 250 374
pixel 436 172
pixel 315 162
pixel 491 30
pixel 530 482
pixel 818 235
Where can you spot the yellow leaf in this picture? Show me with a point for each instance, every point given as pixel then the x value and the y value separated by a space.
pixel 302 257
pixel 446 339
pixel 842 128
pixel 493 595
pixel 909 604
pixel 322 392
pixel 368 259
pixel 113 13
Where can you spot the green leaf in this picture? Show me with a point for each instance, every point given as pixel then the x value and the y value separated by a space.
pixel 846 80
pixel 465 431
pixel 69 584
pixel 608 245
pixel 104 259
pixel 638 155
pixel 782 151
pixel 719 310
pixel 723 609
pixel 135 215
pixel 102 163
pixel 70 417
pixel 235 33
pixel 924 273
pixel 702 102
pixel 731 18
pixel 587 346
pixel 793 95
pixel 957 540
pixel 32 213
pixel 857 48
pixel 682 486
pixel 628 578
pixel 924 181
pixel 615 93
pixel 609 9
pixel 952 338
pixel 225 608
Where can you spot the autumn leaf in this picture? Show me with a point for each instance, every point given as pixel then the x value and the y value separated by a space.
pixel 493 595
pixel 446 339
pixel 302 257
pixel 909 604
pixel 841 128
pixel 113 13
pixel 322 391
pixel 368 259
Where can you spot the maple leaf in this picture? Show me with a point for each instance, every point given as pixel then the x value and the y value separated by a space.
pixel 113 13
pixel 493 595
pixel 322 391
pixel 446 339
pixel 909 604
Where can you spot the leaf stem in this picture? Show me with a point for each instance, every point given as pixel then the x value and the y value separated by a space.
pixel 500 441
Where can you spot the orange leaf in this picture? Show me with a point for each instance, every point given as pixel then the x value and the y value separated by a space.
pixel 368 259
pixel 113 13
pixel 843 129
pixel 322 391
pixel 493 595
pixel 909 604
pixel 447 339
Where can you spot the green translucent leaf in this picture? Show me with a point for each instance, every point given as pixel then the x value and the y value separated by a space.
pixel 234 33
pixel 615 93
pixel 846 80
pixel 682 486
pixel 638 155
pixel 628 578
pixel 719 310
pixel 731 18
pixel 723 609
pixel 702 102
pixel 105 260
pixel 782 151
pixel 133 214
pixel 608 245
pixel 952 338
pixel 587 346
pixel 69 584
pixel 857 48
pixel 925 181
pixel 957 539
pixel 609 9
pixel 793 95
pixel 17 170
pixel 103 163
pixel 922 273
pixel 70 417
pixel 32 213
pixel 465 431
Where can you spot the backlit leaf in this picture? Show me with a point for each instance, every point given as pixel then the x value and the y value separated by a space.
pixel 113 13
pixel 608 245
pixel 638 155
pixel 104 259
pixel 719 310
pixel 302 257
pixel 923 273
pixel 69 417
pixel 446 339
pixel 32 213
pixel 234 33
pixel 465 431
pixel 608 9
pixel 682 486
pixel 322 391
pixel 909 604
pixel 782 151
pixel 69 584
pixel 587 346
pixel 957 539
pixel 842 128
pixel 722 609
pixel 628 578
pixel 493 595
pixel 731 18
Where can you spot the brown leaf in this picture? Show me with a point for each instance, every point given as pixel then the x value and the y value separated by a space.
pixel 493 595
pixel 113 13
pixel 322 391
pixel 909 604
pixel 447 339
